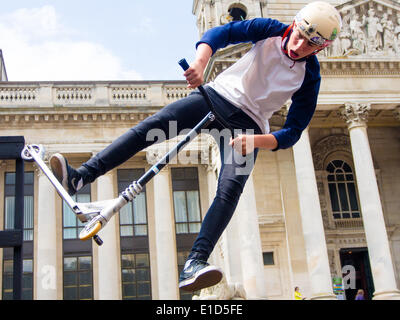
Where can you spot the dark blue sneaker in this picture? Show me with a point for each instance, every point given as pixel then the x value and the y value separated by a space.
pixel 198 274
pixel 69 178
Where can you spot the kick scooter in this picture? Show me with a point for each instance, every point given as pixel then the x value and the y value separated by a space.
pixel 97 214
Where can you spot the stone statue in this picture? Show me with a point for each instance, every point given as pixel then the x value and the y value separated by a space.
pixel 374 31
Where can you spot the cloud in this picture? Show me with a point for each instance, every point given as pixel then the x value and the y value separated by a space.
pixel 37 46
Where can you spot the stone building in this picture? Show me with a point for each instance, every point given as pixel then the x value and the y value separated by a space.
pixel 326 210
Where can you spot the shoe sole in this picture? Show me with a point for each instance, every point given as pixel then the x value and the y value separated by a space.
pixel 207 277
pixel 59 169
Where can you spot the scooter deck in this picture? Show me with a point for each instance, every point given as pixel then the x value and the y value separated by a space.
pixel 83 211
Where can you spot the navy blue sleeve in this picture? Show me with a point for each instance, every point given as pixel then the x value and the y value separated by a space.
pixel 242 31
pixel 304 103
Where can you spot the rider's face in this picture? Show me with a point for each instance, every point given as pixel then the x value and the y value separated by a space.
pixel 299 46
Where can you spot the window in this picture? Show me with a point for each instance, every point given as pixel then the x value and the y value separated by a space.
pixel 9 216
pixel 135 258
pixel 9 203
pixel 78 278
pixel 237 13
pixel 77 254
pixel 268 258
pixel 182 257
pixel 27 279
pixel 136 282
pixel 342 190
pixel 133 216
pixel 185 188
pixel 72 225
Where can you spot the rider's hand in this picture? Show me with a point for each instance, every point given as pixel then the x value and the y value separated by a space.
pixel 194 75
pixel 243 144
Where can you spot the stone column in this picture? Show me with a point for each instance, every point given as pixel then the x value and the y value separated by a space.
pixel 108 254
pixel 164 230
pixel 374 225
pixel 311 218
pixel 46 273
pixel 250 244
pixel 293 225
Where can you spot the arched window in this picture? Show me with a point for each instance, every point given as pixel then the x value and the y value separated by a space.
pixel 237 12
pixel 342 190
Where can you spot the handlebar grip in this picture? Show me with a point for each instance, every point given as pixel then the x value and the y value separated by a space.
pixel 183 63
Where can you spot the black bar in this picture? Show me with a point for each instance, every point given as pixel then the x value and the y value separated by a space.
pixel 10 238
pixel 18 225
pixel 11 147
pixel 174 151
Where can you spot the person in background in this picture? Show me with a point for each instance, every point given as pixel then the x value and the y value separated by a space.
pixel 360 295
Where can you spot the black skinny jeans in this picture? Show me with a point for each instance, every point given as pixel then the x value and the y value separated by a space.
pixel 187 112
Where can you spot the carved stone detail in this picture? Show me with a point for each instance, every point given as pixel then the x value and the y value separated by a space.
pixel 223 291
pixel 355 114
pixel 369 29
pixel 328 145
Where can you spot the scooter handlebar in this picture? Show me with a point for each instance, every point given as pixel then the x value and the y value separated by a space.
pixel 183 63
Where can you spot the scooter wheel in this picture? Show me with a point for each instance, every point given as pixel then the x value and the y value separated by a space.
pixel 98 240
pixel 91 232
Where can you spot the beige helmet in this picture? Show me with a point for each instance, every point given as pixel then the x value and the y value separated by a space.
pixel 319 22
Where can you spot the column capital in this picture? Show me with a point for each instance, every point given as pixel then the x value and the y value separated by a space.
pixel 396 112
pixel 355 114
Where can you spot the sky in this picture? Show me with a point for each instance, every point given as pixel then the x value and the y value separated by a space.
pixel 64 40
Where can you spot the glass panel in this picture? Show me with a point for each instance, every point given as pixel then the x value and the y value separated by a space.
pixel 339 177
pixel 126 231
pixel 128 261
pixel 10 178
pixel 70 279
pixel 334 197
pixel 337 163
pixel 28 212
pixel 343 196
pixel 346 167
pixel 180 206
pixel 69 218
pixel 8 266
pixel 70 264
pixel 125 215
pixel 142 260
pixel 129 290
pixel 352 196
pixel 142 274
pixel 330 167
pixel 128 275
pixel 139 211
pixel 85 292
pixel 356 215
pixel 85 278
pixel 141 230
pixel 143 289
pixel 181 228
pixel 85 263
pixel 349 177
pixel 194 227
pixel 10 209
pixel 70 233
pixel 70 293
pixel 27 281
pixel 27 265
pixel 193 205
